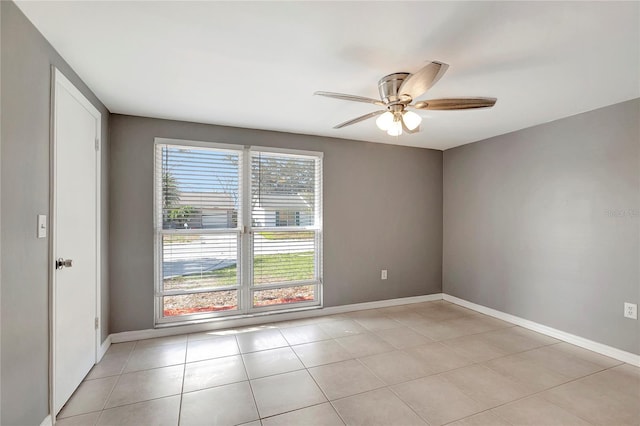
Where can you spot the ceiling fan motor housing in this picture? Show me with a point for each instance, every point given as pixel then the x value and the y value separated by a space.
pixel 389 85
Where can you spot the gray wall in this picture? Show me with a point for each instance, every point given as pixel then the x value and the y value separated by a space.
pixel 26 60
pixel 382 209
pixel 543 223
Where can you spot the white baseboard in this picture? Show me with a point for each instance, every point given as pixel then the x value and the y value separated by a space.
pixel 600 348
pixel 104 347
pixel 128 336
pixel 48 421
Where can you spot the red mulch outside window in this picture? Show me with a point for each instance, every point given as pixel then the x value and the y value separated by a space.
pixel 201 309
pixel 204 309
pixel 283 300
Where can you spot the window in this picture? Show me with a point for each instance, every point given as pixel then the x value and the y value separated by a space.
pixel 285 213
pixel 238 230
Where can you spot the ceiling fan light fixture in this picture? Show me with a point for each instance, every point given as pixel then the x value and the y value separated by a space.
pixel 411 120
pixel 385 121
pixel 397 93
pixel 395 129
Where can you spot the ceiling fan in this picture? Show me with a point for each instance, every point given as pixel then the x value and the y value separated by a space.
pixel 398 90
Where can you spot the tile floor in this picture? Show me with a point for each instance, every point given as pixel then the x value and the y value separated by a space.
pixel 430 363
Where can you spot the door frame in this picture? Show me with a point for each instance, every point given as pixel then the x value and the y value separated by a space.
pixel 58 78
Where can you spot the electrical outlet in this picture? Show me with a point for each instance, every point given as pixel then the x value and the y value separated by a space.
pixel 630 310
pixel 383 274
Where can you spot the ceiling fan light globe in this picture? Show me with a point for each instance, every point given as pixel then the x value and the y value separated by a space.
pixel 411 120
pixel 385 121
pixel 395 129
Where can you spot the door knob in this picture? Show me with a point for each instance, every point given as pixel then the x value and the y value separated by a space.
pixel 64 263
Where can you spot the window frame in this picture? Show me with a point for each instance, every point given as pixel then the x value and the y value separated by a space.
pixel 245 287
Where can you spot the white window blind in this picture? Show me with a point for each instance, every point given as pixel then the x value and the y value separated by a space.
pixel 285 213
pixel 198 206
pixel 200 187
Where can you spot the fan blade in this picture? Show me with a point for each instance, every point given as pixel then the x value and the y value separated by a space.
pixel 418 83
pixel 455 103
pixel 406 129
pixel 350 98
pixel 359 119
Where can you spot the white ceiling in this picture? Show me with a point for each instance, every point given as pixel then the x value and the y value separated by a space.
pixel 256 65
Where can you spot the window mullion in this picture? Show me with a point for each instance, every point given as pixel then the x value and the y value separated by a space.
pixel 246 258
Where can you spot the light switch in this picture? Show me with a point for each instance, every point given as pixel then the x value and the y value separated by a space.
pixel 42 226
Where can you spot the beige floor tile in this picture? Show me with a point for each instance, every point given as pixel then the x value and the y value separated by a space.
pixel 444 313
pixel 154 356
pixel 486 386
pixel 146 385
pixel 168 340
pixel 403 337
pixel 270 362
pixel 429 305
pixel 212 334
pixel 119 348
pixel 476 347
pixel 586 355
pixel 223 405
pixel 319 353
pixel 407 317
pixel 90 396
pixel 394 309
pixel 464 326
pixel 443 330
pixel 378 322
pixel 376 408
pixel 395 367
pixel 317 415
pixel 460 309
pixel 446 330
pixel 111 364
pixel 158 412
pixel 621 382
pixel 261 340
pixel 537 411
pixel 307 321
pixel 365 313
pixel 335 317
pixel 518 339
pixel 561 362
pixel 395 343
pixel 342 328
pixel 595 403
pixel 485 321
pixel 213 372
pixel 423 327
pixel 345 378
pixel 304 334
pixel 217 347
pixel 483 419
pixel 286 392
pixel 81 420
pixel 438 357
pixel 436 400
pixel 535 375
pixel 362 345
pixel 623 378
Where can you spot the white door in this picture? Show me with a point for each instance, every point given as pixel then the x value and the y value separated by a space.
pixel 76 129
